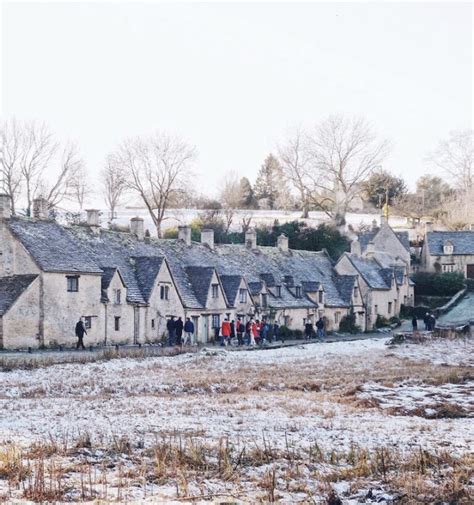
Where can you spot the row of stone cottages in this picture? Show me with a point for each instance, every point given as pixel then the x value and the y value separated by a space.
pixel 126 285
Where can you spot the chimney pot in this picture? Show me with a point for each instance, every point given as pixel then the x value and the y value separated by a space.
pixel 5 206
pixel 184 234
pixel 40 208
pixel 251 239
pixel 283 243
pixel 137 227
pixel 207 237
pixel 428 226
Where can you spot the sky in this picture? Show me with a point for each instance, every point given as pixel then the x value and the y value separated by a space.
pixel 233 78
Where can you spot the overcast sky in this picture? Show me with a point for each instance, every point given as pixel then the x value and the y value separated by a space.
pixel 233 77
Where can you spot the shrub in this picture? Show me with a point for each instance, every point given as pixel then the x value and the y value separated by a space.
pixel 347 325
pixel 395 320
pixel 438 284
pixel 381 322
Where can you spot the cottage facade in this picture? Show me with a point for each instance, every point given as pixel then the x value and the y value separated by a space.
pixel 449 251
pixel 126 285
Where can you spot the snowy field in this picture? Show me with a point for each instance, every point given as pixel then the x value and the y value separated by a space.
pixel 357 421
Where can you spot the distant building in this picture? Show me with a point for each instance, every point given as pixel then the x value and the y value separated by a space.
pixel 448 251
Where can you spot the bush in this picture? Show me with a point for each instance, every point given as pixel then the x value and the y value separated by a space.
pixel 438 284
pixel 395 320
pixel 381 322
pixel 347 325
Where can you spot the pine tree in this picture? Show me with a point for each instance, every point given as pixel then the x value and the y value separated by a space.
pixel 246 194
pixel 269 181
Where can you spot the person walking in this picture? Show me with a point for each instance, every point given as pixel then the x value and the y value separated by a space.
pixel 171 327
pixel 248 332
pixel 426 320
pixel 225 332
pixel 414 323
pixel 188 332
pixel 239 327
pixel 276 331
pixel 80 330
pixel 264 333
pixel 432 322
pixel 308 329
pixel 253 333
pixel 232 330
pixel 179 331
pixel 320 328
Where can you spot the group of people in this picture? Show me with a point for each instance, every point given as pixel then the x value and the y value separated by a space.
pixel 180 333
pixel 429 320
pixel 253 332
pixel 309 330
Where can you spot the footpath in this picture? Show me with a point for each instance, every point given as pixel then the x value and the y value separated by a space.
pixel 35 358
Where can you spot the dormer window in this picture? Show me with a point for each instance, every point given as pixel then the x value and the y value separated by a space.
pixel 215 290
pixel 242 295
pixel 320 296
pixel 448 247
pixel 298 291
pixel 117 296
pixel 264 301
pixel 278 291
pixel 356 292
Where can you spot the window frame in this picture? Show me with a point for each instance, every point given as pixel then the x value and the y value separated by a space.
pixel 69 279
pixel 242 295
pixel 117 296
pixel 298 291
pixel 215 290
pixel 88 322
pixel 117 323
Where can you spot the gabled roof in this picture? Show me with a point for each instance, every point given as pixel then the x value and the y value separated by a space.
pixel 463 242
pixel 369 236
pixel 52 247
pixel 345 286
pixel 11 288
pixel 310 286
pixel 200 279
pixel 269 279
pixel 404 239
pixel 255 288
pixel 370 271
pixel 231 284
pixel 146 270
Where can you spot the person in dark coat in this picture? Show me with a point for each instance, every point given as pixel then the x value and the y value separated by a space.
pixel 308 330
pixel 432 322
pixel 320 327
pixel 171 327
pixel 414 323
pixel 179 331
pixel 239 328
pixel 189 331
pixel 248 331
pixel 276 331
pixel 232 330
pixel 80 330
pixel 426 320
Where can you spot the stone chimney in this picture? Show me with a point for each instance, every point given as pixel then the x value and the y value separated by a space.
pixel 184 234
pixel 428 226
pixel 40 208
pixel 207 237
pixel 383 220
pixel 137 227
pixel 282 243
pixel 5 206
pixel 251 239
pixel 370 249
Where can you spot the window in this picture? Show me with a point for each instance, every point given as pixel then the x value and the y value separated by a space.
pixel 216 320
pixel 243 295
pixel 389 308
pixel 117 323
pixel 72 283
pixel 356 292
pixel 153 324
pixel 449 268
pixel 215 291
pixel 88 322
pixel 298 291
pixel 320 296
pixel 164 292
pixel 376 309
pixel 264 300
pixel 278 291
pixel 337 317
pixel 117 296
pixel 448 248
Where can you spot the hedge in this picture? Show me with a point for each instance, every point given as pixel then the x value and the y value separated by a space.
pixel 437 284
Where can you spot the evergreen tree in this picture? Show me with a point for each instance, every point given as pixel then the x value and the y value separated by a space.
pixel 246 194
pixel 269 181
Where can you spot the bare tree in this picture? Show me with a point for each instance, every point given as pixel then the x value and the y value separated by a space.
pixel 246 222
pixel 455 157
pixel 327 164
pixel 294 160
pixel 230 197
pixel 27 150
pixel 114 184
pixel 158 168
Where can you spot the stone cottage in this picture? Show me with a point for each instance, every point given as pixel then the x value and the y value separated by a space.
pixel 448 251
pixel 126 285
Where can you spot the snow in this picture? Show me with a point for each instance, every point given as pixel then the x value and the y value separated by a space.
pixel 295 395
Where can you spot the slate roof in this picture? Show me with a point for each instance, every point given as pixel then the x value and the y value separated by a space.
pixel 255 288
pixel 231 284
pixel 146 270
pixel 52 247
pixel 365 238
pixel 310 286
pixel 345 286
pixel 200 279
pixel 463 242
pixel 370 271
pixel 11 288
pixel 404 239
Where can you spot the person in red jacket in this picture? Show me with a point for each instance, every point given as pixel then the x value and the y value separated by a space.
pixel 225 332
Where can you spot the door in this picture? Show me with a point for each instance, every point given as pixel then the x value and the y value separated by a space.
pixel 205 329
pixel 470 271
